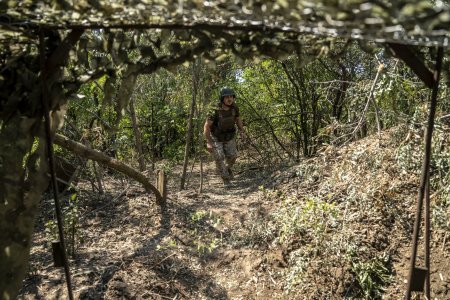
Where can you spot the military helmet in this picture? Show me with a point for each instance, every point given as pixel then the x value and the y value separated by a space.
pixel 226 91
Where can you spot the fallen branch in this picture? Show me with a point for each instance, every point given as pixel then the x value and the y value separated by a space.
pixel 108 161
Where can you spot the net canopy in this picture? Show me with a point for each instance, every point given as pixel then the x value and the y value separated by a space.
pixel 418 22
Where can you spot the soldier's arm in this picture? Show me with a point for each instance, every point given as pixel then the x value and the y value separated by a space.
pixel 207 133
pixel 240 125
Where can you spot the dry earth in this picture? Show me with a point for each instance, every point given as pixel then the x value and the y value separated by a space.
pixel 220 244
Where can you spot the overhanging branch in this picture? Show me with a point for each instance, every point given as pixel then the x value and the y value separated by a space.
pixel 108 161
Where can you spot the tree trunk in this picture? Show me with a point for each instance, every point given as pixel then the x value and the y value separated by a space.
pixel 23 179
pixel 23 160
pixel 98 172
pixel 153 138
pixel 303 109
pixel 137 135
pixel 200 188
pixel 110 162
pixel 189 132
pixel 200 149
pixel 340 94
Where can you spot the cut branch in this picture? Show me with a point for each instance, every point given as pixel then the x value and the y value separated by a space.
pixel 371 100
pixel 110 162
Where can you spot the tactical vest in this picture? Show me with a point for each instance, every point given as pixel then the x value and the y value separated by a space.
pixel 223 124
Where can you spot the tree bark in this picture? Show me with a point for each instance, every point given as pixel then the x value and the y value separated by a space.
pixel 98 172
pixel 340 94
pixel 189 132
pixel 23 178
pixel 153 137
pixel 200 149
pixel 137 135
pixel 110 162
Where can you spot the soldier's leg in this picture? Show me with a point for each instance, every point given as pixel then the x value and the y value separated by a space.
pixel 219 157
pixel 230 152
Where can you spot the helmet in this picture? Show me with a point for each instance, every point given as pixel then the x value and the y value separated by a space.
pixel 226 91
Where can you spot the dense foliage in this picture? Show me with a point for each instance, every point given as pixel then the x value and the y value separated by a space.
pixel 290 108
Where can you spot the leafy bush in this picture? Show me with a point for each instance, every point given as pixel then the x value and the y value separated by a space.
pixel 204 240
pixel 304 224
pixel 409 156
pixel 372 276
pixel 310 216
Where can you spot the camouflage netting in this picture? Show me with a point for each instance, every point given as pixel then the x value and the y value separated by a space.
pixel 413 22
pixel 179 31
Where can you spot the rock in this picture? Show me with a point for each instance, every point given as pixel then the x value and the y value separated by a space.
pixel 117 289
pixel 90 294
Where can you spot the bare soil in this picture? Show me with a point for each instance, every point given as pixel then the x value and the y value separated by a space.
pixel 212 245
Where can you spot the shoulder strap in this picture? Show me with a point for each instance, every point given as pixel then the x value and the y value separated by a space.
pixel 216 118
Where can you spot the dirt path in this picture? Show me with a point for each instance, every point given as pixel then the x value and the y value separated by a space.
pixel 198 248
pixel 233 265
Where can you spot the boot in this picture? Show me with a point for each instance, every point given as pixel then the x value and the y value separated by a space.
pixel 230 173
pixel 226 182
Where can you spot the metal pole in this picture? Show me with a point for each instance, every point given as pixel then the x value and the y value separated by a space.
pixel 425 169
pixel 44 99
pixel 427 238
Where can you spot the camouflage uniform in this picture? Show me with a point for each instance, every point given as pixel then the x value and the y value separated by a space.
pixel 223 136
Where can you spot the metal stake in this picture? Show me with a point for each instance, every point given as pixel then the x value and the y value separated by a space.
pixel 51 160
pixel 427 238
pixel 425 171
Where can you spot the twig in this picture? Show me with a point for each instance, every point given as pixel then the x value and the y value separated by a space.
pixel 271 278
pixel 192 170
pixel 445 240
pixel 179 239
pixel 167 257
pixel 444 117
pixel 369 100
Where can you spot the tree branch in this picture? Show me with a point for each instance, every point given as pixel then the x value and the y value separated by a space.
pixel 110 162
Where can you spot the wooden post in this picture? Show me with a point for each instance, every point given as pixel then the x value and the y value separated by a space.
pixel 161 184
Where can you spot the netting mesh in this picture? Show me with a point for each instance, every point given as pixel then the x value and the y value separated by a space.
pixel 418 22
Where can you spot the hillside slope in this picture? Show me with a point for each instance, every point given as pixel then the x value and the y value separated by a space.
pixel 365 195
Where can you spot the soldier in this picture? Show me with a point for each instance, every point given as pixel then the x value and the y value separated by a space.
pixel 220 132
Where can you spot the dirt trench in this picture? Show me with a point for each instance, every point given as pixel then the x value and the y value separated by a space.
pixel 196 248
